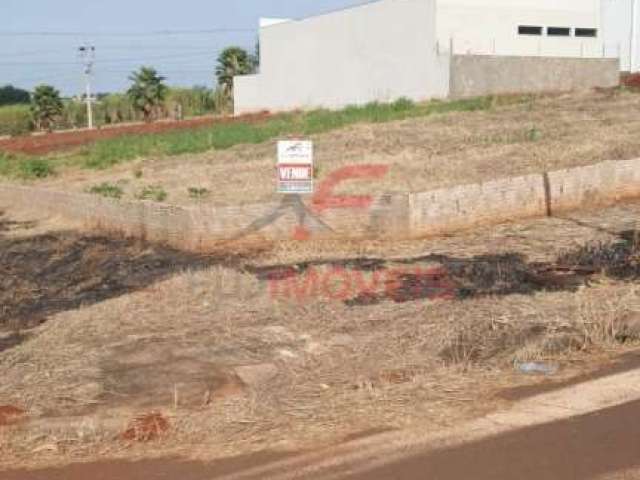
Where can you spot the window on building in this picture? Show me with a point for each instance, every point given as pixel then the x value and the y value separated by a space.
pixel 586 32
pixel 559 31
pixel 529 30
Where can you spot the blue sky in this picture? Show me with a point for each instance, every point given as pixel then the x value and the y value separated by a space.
pixel 124 33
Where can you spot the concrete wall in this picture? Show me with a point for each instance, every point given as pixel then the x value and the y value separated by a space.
pixel 202 227
pixel 379 51
pixel 491 26
pixel 465 206
pixel 474 75
pixel 620 38
pixel 391 215
pixel 601 184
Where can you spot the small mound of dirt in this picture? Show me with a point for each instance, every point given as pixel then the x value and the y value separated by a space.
pixel 146 428
pixel 157 373
pixel 10 414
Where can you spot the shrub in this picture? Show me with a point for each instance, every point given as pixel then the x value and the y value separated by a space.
pixel 46 106
pixel 153 192
pixel 35 168
pixel 108 190
pixel 198 193
pixel 15 120
pixel 533 134
pixel 403 104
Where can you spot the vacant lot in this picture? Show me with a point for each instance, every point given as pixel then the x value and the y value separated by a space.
pixel 423 153
pixel 98 331
pixel 117 347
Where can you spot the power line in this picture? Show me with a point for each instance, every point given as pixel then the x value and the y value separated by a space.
pixel 193 69
pixel 28 53
pixel 155 47
pixel 211 31
pixel 204 53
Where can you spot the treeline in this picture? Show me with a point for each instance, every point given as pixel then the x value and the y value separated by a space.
pixel 114 108
pixel 148 99
pixel 10 95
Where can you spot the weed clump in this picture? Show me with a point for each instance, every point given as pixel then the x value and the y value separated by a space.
pixel 153 192
pixel 107 190
pixel 33 168
pixel 198 193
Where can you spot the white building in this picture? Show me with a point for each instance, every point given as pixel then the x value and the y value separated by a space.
pixel 621 25
pixel 423 49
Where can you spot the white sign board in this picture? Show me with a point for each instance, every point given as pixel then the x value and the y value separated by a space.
pixel 295 167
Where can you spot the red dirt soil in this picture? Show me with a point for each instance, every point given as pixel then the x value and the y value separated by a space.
pixel 10 414
pixel 146 428
pixel 631 80
pixel 57 141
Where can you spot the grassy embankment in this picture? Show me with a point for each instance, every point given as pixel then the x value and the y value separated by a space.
pixel 106 153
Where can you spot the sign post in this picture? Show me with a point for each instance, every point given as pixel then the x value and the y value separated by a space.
pixel 295 167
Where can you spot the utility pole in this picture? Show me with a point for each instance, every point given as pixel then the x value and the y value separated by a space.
pixel 88 56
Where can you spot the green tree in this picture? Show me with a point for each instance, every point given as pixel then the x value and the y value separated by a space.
pixel 233 61
pixel 255 58
pixel 46 106
pixel 10 95
pixel 147 92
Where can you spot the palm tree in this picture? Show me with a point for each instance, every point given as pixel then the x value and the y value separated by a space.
pixel 255 58
pixel 46 106
pixel 233 61
pixel 147 92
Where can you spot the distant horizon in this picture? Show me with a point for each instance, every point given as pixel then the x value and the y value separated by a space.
pixel 40 42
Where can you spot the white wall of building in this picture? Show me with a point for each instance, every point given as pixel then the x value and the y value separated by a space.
pixel 380 51
pixel 619 33
pixel 491 26
pixel 389 49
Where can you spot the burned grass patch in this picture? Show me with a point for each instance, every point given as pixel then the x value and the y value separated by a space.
pixel 43 274
pixel 371 281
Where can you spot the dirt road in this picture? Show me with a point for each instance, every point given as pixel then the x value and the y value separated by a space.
pixel 584 431
pixel 592 446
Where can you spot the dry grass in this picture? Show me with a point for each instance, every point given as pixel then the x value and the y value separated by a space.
pixel 342 369
pixel 133 328
pixel 424 153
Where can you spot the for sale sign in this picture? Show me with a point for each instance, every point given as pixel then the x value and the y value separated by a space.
pixel 295 167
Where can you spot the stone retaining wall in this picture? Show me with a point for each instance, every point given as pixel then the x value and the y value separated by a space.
pixel 390 215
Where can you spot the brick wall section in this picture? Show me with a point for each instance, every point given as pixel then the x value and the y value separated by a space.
pixel 442 211
pixel 476 75
pixel 601 184
pixel 390 216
